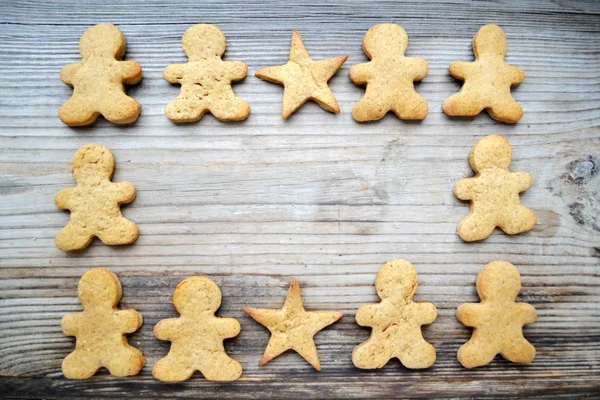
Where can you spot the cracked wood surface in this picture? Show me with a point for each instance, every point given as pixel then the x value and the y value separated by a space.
pixel 319 197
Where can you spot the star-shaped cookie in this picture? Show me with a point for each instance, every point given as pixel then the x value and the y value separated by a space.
pixel 293 327
pixel 303 79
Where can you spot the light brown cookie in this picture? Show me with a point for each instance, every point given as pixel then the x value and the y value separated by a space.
pixel 100 329
pixel 389 76
pixel 197 336
pixel 497 320
pixel 487 80
pixel 396 321
pixel 493 192
pixel 304 79
pixel 206 79
pixel 94 202
pixel 98 80
pixel 292 327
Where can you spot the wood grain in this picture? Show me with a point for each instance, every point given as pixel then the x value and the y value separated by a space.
pixel 318 198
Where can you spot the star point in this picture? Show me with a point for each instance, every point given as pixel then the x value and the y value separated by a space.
pixel 292 327
pixel 303 78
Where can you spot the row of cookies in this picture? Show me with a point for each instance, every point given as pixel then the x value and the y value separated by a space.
pixel 99 79
pixel 197 335
pixel 95 201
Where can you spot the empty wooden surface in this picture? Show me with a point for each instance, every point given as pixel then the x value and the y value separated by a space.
pixel 318 197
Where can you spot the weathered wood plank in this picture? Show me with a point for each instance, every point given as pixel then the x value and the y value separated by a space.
pixel 318 198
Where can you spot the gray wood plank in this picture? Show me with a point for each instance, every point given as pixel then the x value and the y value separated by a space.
pixel 318 198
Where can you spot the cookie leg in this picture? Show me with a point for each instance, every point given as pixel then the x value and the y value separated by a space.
pixel 124 361
pixel 182 110
pixel 462 105
pixel 121 110
pixel 419 355
pixel 71 238
pixel 517 219
pixel 476 353
pixel 508 111
pixel 76 113
pixel 171 369
pixel 122 231
pixel 372 354
pixel 519 351
pixel 411 108
pixel 220 367
pixel 475 226
pixel 80 365
pixel 369 109
pixel 234 109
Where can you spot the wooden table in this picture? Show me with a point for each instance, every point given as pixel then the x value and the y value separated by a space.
pixel 319 197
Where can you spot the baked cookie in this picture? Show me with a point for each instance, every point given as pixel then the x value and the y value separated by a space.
pixel 396 321
pixel 293 327
pixel 100 329
pixel 304 79
pixel 98 80
pixel 94 202
pixel 493 192
pixel 206 79
pixel 389 76
pixel 197 336
pixel 487 80
pixel 497 320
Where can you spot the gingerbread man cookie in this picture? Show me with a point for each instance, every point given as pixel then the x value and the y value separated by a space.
pixel 206 79
pixel 197 336
pixel 389 76
pixel 493 192
pixel 94 202
pixel 98 80
pixel 304 79
pixel 100 329
pixel 396 321
pixel 498 320
pixel 487 80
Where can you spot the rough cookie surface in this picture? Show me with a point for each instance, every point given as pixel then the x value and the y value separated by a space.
pixel 396 321
pixel 498 320
pixel 493 192
pixel 487 80
pixel 304 79
pixel 206 79
pixel 98 80
pixel 100 329
pixel 197 336
pixel 389 76
pixel 293 327
pixel 94 202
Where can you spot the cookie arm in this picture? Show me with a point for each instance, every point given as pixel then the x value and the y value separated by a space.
pixel 467 314
pixel 527 313
pixel 167 329
pixel 367 315
pixel 131 72
pixel 67 73
pixel 418 67
pixel 426 313
pixel 129 320
pixel 237 70
pixel 125 192
pixel 464 188
pixel 62 200
pixel 360 74
pixel 69 324
pixel 523 180
pixel 228 327
pixel 460 69
pixel 518 75
pixel 174 73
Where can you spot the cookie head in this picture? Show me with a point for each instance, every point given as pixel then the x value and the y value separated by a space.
pixel 396 279
pixel 104 40
pixel 203 41
pixel 196 295
pixel 99 288
pixel 385 40
pixel 499 280
pixel 490 40
pixel 92 161
pixel 491 151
